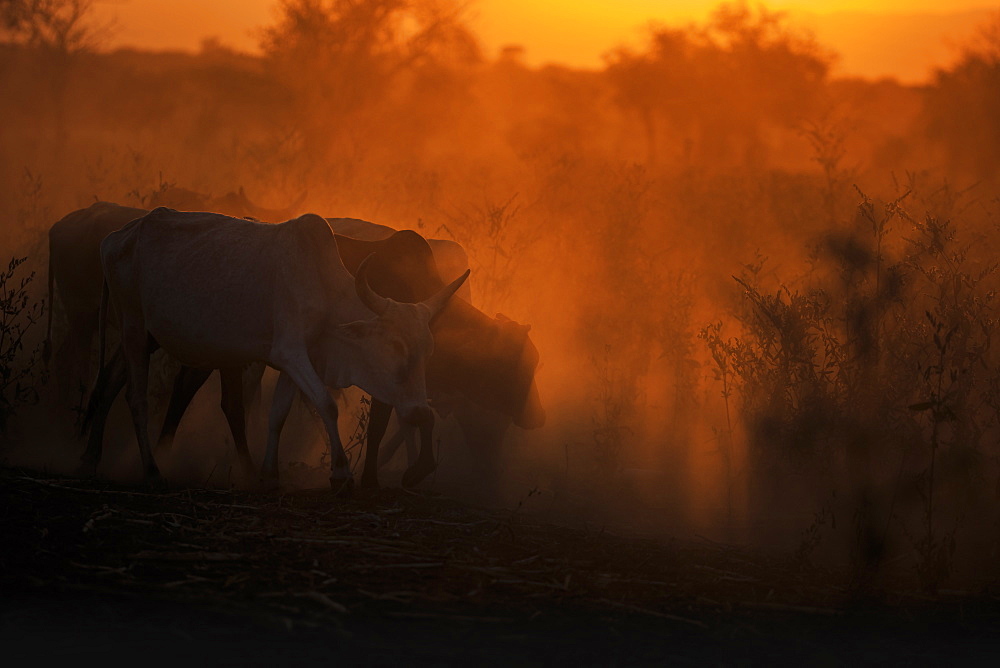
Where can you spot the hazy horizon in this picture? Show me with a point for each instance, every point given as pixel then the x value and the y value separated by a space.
pixel 881 40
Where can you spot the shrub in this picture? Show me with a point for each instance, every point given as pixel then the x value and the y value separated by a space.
pixel 18 314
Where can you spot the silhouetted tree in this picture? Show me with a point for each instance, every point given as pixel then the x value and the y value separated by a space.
pixel 57 29
pixel 62 26
pixel 343 56
pixel 963 106
pixel 714 89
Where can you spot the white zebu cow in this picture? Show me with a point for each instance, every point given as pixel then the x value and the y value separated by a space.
pixel 450 258
pixel 220 292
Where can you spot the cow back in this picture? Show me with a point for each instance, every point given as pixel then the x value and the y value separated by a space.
pixel 75 256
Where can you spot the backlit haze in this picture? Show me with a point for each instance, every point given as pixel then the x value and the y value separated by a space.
pixel 874 38
pixel 760 275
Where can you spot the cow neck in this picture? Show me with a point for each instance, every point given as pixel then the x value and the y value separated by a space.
pixel 345 366
pixel 458 314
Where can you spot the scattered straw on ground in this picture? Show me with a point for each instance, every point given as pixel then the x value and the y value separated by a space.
pixel 461 579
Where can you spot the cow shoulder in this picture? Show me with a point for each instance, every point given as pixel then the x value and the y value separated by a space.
pixel 312 234
pixel 118 242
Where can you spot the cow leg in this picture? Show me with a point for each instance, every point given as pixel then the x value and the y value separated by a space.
pixel 484 432
pixel 137 346
pixel 252 375
pixel 187 383
pixel 110 382
pixel 281 404
pixel 389 448
pixel 378 420
pixel 409 436
pixel 315 391
pixel 232 406
pixel 73 359
pixel 425 462
pixel 85 339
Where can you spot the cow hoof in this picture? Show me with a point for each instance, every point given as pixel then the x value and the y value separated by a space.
pixel 268 483
pixel 342 487
pixel 416 474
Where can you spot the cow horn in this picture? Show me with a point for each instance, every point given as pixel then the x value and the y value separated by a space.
pixel 438 301
pixel 377 303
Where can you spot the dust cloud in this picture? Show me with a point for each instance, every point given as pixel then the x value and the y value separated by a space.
pixel 763 297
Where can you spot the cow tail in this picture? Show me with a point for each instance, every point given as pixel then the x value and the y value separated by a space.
pixel 47 346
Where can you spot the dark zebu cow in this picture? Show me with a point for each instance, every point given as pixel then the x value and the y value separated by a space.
pixel 75 267
pixel 220 292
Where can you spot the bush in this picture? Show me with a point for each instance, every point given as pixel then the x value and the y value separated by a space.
pixel 18 314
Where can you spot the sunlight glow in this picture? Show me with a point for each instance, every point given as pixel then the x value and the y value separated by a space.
pixel 875 38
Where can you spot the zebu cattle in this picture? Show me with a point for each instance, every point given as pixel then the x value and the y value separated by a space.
pixel 491 388
pixel 219 292
pixel 75 268
pixel 482 368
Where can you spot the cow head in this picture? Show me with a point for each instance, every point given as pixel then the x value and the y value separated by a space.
pixel 492 361
pixel 520 392
pixel 394 346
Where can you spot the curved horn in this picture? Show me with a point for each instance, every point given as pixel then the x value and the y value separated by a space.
pixel 438 301
pixel 375 302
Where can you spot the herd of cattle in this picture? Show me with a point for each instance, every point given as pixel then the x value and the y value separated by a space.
pixel 329 303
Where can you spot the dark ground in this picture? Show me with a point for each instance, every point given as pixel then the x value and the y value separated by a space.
pixel 90 569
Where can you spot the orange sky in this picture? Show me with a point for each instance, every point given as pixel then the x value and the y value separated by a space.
pixel 903 38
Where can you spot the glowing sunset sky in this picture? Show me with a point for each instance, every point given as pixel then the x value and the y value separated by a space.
pixel 903 38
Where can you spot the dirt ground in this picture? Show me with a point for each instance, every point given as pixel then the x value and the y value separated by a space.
pixel 91 569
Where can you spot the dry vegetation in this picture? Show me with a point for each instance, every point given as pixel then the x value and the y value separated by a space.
pixel 301 576
pixel 764 299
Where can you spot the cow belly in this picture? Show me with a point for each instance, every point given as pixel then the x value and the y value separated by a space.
pixel 211 337
pixel 208 354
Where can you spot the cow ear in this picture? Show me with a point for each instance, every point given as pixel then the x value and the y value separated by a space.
pixel 502 318
pixel 375 302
